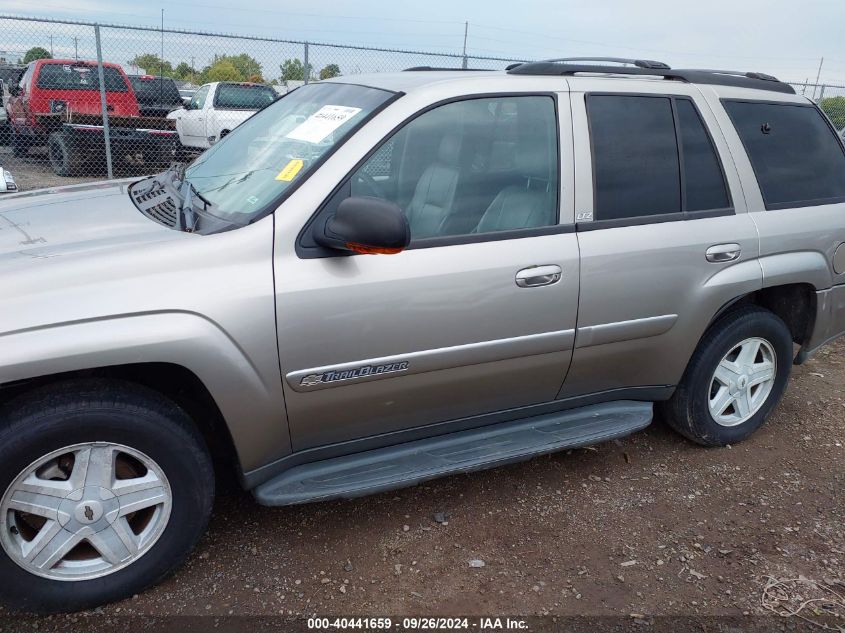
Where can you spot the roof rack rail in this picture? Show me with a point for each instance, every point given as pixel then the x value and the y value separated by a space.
pixel 566 67
pixel 436 68
pixel 639 63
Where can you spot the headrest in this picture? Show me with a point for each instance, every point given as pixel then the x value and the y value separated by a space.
pixel 449 150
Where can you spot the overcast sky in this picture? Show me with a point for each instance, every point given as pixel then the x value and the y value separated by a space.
pixel 782 37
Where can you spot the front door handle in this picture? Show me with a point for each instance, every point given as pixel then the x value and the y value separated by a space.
pixel 538 276
pixel 723 253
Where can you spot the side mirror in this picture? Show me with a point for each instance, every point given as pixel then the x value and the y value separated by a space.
pixel 371 226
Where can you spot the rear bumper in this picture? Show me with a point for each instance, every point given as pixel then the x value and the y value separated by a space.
pixel 155 145
pixel 830 322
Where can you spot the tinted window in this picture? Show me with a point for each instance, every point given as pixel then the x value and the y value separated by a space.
pixel 243 96
pixel 79 77
pixel 796 156
pixel 475 166
pixel 704 183
pixel 155 90
pixel 635 156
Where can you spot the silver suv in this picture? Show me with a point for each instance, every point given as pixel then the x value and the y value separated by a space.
pixel 382 279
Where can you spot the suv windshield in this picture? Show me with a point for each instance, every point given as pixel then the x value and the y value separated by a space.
pixel 244 96
pixel 254 165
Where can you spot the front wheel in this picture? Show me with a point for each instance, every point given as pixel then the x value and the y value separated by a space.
pixel 734 380
pixel 106 487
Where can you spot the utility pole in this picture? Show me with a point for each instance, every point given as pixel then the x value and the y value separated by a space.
pixel 192 69
pixel 466 32
pixel 818 78
pixel 51 47
pixel 76 49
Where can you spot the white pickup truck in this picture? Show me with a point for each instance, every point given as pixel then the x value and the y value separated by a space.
pixel 216 109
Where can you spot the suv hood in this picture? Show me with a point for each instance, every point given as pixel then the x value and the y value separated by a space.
pixel 72 220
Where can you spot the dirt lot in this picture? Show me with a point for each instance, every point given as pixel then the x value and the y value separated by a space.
pixel 33 172
pixel 649 525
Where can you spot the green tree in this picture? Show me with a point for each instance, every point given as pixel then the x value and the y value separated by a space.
pixel 152 64
pixel 834 107
pixel 293 70
pixel 222 70
pixel 329 71
pixel 36 52
pixel 183 71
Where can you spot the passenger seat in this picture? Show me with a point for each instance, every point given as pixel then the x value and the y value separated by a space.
pixel 527 205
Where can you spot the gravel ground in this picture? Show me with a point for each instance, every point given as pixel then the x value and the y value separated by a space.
pixel 650 525
pixel 33 172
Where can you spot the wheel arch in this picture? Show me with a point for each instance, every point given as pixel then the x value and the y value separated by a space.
pixel 795 303
pixel 182 355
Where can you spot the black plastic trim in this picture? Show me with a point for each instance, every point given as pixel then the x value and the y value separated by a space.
pixel 304 252
pixel 796 204
pixel 253 478
pixel 614 223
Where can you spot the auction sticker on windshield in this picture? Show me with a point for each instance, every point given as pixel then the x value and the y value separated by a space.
pixel 322 123
pixel 291 170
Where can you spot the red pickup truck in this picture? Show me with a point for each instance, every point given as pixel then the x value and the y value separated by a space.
pixel 57 104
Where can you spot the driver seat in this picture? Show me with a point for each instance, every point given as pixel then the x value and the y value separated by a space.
pixel 434 195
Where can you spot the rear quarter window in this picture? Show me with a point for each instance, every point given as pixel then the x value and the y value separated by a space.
pixel 797 159
pixel 243 97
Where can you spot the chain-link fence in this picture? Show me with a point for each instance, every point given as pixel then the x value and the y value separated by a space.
pixel 831 99
pixel 83 101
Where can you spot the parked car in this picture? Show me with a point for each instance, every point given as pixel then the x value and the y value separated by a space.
pixel 383 279
pixel 57 104
pixel 7 181
pixel 9 76
pixel 218 108
pixel 157 96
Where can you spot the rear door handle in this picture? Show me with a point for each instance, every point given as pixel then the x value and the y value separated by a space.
pixel 538 276
pixel 723 253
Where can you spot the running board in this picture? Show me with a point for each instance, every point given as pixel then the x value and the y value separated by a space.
pixel 408 464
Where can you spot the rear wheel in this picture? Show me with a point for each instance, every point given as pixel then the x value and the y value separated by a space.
pixel 735 378
pixel 104 490
pixel 65 159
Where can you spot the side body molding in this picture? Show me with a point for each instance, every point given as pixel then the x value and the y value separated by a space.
pixel 429 360
pixel 250 403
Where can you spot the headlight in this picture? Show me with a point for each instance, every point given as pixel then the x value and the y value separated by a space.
pixel 9 180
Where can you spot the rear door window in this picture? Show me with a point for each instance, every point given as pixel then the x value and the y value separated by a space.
pixel 704 182
pixel 794 151
pixel 652 158
pixel 635 156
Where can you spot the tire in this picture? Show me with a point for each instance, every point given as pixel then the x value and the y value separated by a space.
pixel 136 430
pixel 748 405
pixel 65 159
pixel 20 145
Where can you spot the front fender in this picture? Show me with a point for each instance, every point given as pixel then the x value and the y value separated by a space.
pixel 250 400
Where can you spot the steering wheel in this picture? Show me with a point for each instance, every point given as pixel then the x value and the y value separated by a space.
pixel 371 184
